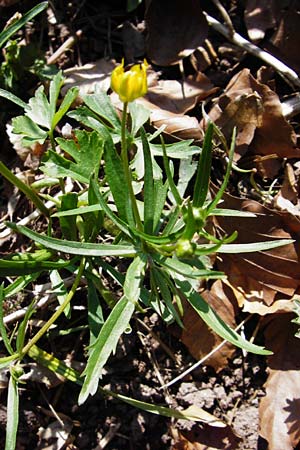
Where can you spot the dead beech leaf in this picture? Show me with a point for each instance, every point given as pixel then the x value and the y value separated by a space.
pixel 199 338
pixel 206 438
pixel 260 16
pixel 260 276
pixel 88 76
pixel 280 408
pixel 175 30
pixel 180 96
pixel 257 113
pixel 177 126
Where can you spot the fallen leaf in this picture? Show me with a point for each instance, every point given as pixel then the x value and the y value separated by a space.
pixel 88 76
pixel 260 276
pixel 180 96
pixel 199 338
pixel 175 30
pixel 280 408
pixel 256 111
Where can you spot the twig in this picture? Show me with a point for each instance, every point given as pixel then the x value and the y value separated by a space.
pixel 283 70
pixel 67 45
pixel 225 16
pixel 198 363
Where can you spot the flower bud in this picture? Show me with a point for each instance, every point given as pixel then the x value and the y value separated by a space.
pixel 185 248
pixel 130 84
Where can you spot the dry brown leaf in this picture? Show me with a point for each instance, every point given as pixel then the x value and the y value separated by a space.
pixel 88 76
pixel 280 408
pixel 260 276
pixel 206 438
pixel 175 30
pixel 199 338
pixel 180 96
pixel 257 113
pixel 260 16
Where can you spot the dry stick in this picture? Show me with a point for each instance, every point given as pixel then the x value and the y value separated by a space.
pixel 201 361
pixel 67 45
pixel 285 71
pixel 225 16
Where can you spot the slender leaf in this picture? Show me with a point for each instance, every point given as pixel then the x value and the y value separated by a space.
pixel 148 186
pixel 74 247
pixel 106 343
pixel 247 248
pixel 12 98
pixel 213 320
pixel 134 277
pixel 203 170
pixel 12 414
pixel 6 34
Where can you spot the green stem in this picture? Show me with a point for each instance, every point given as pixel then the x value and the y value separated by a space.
pixel 57 313
pixel 27 190
pixel 125 161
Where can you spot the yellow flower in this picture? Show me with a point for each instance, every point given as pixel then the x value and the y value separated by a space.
pixel 130 84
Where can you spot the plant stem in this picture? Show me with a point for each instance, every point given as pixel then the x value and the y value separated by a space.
pixel 57 313
pixel 27 190
pixel 126 168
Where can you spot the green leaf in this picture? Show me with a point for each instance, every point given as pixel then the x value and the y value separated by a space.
pixel 86 152
pixel 13 98
pixel 76 248
pixel 85 116
pixel 65 105
pixel 12 414
pixel 68 223
pixel 106 343
pixel 247 248
pixel 139 115
pixel 38 109
pixel 148 186
pixel 213 320
pixel 134 277
pixel 60 291
pixel 203 170
pixel 187 270
pixel 13 268
pixel 6 34
pixel 95 315
pixel 30 131
pixel 54 90
pixel 100 103
pixel 116 179
pixel 178 150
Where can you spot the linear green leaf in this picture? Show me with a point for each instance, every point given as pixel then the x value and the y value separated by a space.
pixel 74 247
pixel 12 414
pixel 104 345
pixel 213 320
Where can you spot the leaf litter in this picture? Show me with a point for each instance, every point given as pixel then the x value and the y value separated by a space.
pixel 266 283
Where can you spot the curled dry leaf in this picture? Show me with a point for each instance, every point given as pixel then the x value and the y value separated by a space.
pixel 280 408
pixel 169 100
pixel 257 113
pixel 175 30
pixel 264 276
pixel 199 338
